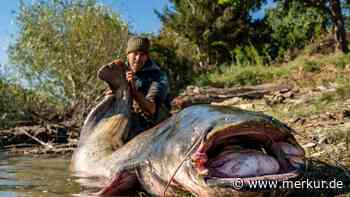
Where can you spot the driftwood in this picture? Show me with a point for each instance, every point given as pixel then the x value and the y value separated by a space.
pixel 196 95
pixel 36 139
pixel 37 134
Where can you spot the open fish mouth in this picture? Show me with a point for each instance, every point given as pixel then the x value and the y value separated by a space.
pixel 248 151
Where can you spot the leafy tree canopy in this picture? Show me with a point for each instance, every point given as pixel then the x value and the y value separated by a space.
pixel 62 43
pixel 215 27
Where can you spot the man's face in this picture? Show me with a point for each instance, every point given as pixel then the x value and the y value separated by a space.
pixel 137 59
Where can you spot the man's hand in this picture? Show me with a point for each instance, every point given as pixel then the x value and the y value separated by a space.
pixel 108 92
pixel 148 106
pixel 130 77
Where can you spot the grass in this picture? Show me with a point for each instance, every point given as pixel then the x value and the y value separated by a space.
pixel 343 90
pixel 319 104
pixel 310 72
pixel 304 70
pixel 312 66
pixel 235 75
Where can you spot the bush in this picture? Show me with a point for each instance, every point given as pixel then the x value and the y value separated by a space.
pixel 176 55
pixel 247 55
pixel 18 104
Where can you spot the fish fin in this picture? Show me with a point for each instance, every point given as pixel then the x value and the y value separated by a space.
pixel 120 183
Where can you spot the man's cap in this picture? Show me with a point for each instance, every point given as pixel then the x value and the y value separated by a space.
pixel 138 43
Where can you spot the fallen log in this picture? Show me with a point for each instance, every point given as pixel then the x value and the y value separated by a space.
pixel 36 139
pixel 197 95
pixel 36 134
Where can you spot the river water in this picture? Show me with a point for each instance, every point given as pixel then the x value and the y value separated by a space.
pixel 36 176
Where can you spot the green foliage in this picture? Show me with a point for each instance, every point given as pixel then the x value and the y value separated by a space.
pixel 312 66
pixel 236 75
pixel 252 5
pixel 326 98
pixel 214 27
pixel 294 26
pixel 7 101
pixel 17 104
pixel 343 89
pixel 62 43
pixel 175 55
pixel 342 61
pixel 247 55
pixel 329 98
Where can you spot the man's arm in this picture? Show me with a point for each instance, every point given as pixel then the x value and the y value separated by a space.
pixel 146 104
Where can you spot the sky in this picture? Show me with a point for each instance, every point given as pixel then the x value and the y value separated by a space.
pixel 7 26
pixel 138 13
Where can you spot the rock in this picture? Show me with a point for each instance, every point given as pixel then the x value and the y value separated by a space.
pixel 346 114
pixel 228 102
pixel 347 125
pixel 297 101
pixel 309 145
pixel 318 154
pixel 323 139
pixel 274 99
pixel 247 106
pixel 331 116
pixel 196 90
pixel 288 95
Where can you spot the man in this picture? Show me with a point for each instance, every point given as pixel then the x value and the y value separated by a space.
pixel 148 86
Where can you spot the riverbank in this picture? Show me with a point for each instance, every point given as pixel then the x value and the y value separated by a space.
pixel 321 122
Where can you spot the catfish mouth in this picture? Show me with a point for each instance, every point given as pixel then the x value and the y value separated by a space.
pixel 247 152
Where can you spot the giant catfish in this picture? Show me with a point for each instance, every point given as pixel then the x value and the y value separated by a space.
pixel 202 149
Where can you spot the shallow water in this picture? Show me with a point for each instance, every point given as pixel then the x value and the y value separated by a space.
pixel 39 176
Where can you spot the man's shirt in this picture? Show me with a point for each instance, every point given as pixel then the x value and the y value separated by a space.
pixel 154 85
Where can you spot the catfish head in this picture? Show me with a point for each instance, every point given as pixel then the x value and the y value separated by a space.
pixel 208 150
pixel 105 125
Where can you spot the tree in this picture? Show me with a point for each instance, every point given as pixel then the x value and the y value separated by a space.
pixel 334 10
pixel 171 51
pixel 293 26
pixel 62 43
pixel 215 27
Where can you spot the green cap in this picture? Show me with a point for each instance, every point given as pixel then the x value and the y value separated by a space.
pixel 137 43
